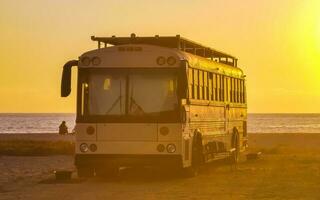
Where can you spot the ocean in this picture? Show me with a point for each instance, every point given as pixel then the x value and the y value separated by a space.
pixel 257 123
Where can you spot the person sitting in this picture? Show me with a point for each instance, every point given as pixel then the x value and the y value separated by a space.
pixel 63 129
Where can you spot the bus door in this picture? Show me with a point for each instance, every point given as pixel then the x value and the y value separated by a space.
pixel 226 83
pixel 226 98
pixel 227 118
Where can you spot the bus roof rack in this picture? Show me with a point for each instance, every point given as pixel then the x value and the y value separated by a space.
pixel 177 42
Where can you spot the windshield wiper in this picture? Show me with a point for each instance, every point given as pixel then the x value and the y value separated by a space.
pixel 116 102
pixel 137 106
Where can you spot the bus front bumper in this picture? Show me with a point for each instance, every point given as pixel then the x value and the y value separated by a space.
pixel 96 160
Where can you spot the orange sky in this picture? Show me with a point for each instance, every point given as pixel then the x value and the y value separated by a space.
pixel 277 43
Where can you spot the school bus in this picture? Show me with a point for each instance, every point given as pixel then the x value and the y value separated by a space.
pixel 156 101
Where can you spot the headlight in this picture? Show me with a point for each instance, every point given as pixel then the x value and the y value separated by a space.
pixel 161 60
pixel 93 147
pixel 160 148
pixel 171 60
pixel 85 61
pixel 84 147
pixel 171 148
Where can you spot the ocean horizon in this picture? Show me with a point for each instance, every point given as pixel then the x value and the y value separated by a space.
pixel 13 123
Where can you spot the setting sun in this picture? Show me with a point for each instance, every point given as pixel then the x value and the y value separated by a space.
pixel 317 35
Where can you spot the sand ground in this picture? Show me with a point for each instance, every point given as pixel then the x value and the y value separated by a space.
pixel 37 137
pixel 288 169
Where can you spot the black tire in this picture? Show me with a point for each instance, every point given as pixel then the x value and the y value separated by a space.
pixel 197 157
pixel 235 143
pixel 190 172
pixel 85 172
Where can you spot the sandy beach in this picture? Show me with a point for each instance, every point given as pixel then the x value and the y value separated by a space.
pixel 288 169
pixel 36 137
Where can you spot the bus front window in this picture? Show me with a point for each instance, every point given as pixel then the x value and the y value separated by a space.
pixel 152 93
pixel 107 94
pixel 137 93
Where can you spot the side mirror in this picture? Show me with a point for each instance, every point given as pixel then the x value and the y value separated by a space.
pixel 66 78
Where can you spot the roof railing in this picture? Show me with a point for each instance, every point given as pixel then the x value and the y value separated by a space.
pixel 176 42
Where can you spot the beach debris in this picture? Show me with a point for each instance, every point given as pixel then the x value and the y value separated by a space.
pixel 63 175
pixel 254 156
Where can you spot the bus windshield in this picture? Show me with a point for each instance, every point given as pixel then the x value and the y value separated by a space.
pixel 135 93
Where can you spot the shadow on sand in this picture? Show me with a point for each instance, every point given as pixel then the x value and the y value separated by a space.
pixel 143 174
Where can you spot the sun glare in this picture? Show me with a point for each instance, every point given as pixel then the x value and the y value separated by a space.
pixel 318 35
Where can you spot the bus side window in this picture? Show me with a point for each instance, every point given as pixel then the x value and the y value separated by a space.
pixel 244 92
pixel 240 90
pixel 214 86
pixel 201 84
pixel 195 83
pixel 210 92
pixel 222 88
pixel 231 89
pixel 234 90
pixel 205 85
pixel 191 92
pixel 218 87
pixel 237 91
pixel 227 88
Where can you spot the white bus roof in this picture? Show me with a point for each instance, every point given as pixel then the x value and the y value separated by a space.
pixel 176 42
pixel 146 55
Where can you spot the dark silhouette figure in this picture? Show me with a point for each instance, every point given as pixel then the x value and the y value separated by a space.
pixel 63 129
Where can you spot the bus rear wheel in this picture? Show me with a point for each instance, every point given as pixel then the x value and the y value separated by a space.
pixel 191 171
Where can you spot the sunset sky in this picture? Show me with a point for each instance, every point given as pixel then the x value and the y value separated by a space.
pixel 277 43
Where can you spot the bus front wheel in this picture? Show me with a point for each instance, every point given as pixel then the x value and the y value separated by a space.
pixel 191 171
pixel 197 157
pixel 235 143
